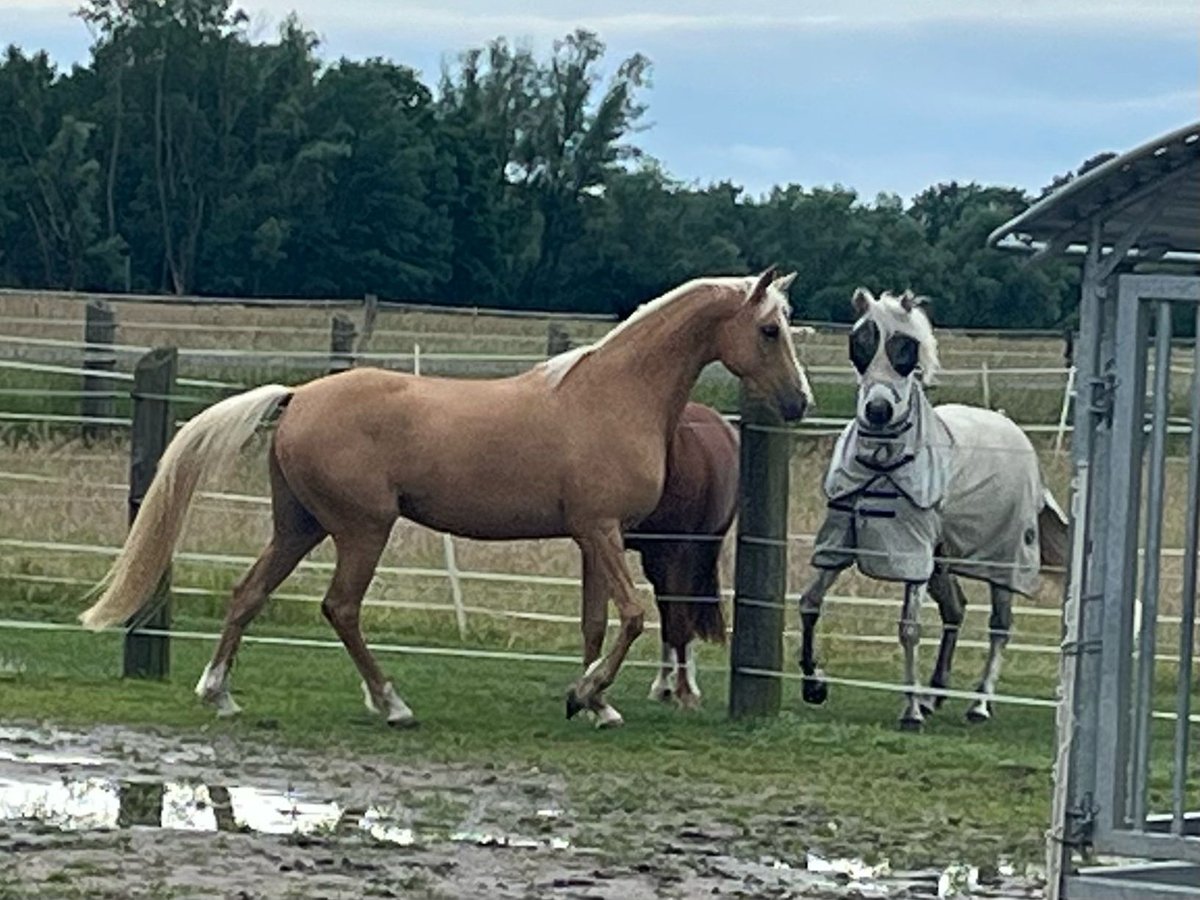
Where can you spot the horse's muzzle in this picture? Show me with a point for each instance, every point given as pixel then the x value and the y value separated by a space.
pixel 793 408
pixel 878 412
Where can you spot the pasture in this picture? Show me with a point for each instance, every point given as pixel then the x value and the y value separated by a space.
pixel 836 780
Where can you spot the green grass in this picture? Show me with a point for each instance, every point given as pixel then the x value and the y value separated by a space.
pixel 835 779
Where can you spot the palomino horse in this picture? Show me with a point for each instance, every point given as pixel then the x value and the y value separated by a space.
pixel 922 495
pixel 680 545
pixel 576 447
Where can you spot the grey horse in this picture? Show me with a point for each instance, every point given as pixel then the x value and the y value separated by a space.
pixel 921 495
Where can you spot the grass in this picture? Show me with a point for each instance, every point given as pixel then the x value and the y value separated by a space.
pixel 954 792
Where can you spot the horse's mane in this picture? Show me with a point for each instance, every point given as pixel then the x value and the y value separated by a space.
pixel 914 322
pixel 557 367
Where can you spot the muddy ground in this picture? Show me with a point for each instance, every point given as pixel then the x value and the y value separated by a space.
pixel 121 813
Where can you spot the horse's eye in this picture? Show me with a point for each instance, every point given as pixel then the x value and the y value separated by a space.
pixel 770 332
pixel 864 341
pixel 903 352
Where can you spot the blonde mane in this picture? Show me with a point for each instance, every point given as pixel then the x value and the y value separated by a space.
pixel 556 368
pixel 889 310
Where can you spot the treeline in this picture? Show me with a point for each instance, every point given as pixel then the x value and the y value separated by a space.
pixel 186 158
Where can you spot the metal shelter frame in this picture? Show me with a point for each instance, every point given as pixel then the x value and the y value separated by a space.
pixel 1110 771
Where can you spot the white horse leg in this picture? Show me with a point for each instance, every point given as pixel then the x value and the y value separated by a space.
pixel 213 688
pixel 999 628
pixel 688 689
pixel 911 719
pixel 660 689
pixel 814 687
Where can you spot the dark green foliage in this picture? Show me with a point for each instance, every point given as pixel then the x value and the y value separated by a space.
pixel 186 157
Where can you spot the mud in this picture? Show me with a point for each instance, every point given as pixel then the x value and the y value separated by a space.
pixel 122 813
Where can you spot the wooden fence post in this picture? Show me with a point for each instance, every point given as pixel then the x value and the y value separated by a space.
pixel 557 339
pixel 370 312
pixel 341 343
pixel 149 655
pixel 99 332
pixel 761 564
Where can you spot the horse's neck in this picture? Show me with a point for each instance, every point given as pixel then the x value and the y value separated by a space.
pixel 657 362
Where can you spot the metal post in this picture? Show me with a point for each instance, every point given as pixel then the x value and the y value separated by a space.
pixel 341 343
pixel 761 579
pixel 1187 614
pixel 148 655
pixel 1148 632
pixel 99 333
pixel 985 384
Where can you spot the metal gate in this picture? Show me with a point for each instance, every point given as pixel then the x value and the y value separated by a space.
pixel 1126 782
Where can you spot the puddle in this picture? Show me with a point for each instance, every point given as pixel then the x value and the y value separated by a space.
pixel 342 827
pixel 94 803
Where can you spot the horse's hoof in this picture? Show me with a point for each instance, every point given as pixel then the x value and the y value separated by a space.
pixel 911 724
pixel 814 690
pixel 689 701
pixel 978 714
pixel 660 695
pixel 403 722
pixel 574 704
pixel 607 717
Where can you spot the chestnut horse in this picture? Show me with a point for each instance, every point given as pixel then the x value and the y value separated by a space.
pixel 575 447
pixel 680 545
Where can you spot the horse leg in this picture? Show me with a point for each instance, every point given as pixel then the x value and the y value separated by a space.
pixel 999 628
pixel 911 719
pixel 358 554
pixel 296 532
pixel 948 594
pixel 687 689
pixel 814 688
pixel 660 689
pixel 604 571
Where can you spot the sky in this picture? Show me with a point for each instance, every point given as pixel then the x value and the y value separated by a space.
pixel 876 95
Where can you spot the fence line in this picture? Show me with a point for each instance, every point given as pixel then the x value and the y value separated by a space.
pixel 561 659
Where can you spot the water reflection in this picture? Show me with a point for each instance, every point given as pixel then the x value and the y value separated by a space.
pixel 84 804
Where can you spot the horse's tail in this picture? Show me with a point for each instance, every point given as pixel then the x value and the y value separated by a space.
pixel 206 444
pixel 1053 533
pixel 708 619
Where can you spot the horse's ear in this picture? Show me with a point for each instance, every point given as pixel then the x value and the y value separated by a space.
pixel 911 301
pixel 861 301
pixel 762 283
pixel 784 282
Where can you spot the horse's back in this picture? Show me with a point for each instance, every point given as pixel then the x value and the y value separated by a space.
pixel 994 495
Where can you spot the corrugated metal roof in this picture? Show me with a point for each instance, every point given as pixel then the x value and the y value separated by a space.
pixel 1157 183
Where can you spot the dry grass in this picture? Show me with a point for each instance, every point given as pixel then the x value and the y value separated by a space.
pixel 74 510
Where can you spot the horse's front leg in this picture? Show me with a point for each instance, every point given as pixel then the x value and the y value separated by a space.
pixel 911 719
pixel 604 572
pixel 814 689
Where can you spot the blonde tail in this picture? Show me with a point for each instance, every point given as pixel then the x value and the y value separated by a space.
pixel 206 444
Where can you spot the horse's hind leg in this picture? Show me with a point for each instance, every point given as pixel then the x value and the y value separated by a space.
pixel 999 628
pixel 358 554
pixel 660 688
pixel 946 591
pixel 296 532
pixel 813 688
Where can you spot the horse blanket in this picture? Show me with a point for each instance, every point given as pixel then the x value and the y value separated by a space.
pixel 959 481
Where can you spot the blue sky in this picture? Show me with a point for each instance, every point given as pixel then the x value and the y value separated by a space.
pixel 877 95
